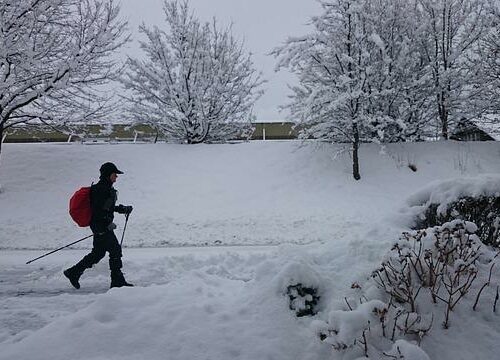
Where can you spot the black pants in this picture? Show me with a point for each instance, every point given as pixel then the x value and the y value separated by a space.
pixel 106 242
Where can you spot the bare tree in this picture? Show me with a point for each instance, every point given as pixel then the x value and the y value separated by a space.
pixel 331 65
pixel 450 31
pixel 196 82
pixel 352 74
pixel 488 81
pixel 53 54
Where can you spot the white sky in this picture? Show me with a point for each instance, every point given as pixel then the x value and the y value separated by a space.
pixel 263 24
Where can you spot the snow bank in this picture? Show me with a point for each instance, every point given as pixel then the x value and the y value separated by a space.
pixel 205 312
pixel 440 194
pixel 443 192
pixel 402 349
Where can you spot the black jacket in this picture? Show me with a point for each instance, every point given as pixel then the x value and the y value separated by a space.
pixel 103 199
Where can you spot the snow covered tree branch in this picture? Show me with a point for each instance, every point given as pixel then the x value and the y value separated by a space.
pixel 54 55
pixel 197 80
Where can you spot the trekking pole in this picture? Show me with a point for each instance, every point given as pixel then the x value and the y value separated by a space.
pixel 53 251
pixel 124 228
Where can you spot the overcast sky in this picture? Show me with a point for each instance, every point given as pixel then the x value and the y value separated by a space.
pixel 262 24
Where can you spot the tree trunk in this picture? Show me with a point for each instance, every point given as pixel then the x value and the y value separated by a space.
pixel 198 138
pixel 442 114
pixel 355 147
pixel 444 127
pixel 1 139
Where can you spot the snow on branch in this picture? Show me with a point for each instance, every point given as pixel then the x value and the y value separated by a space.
pixel 55 56
pixel 197 80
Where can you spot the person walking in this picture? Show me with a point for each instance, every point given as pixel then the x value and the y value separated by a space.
pixel 103 197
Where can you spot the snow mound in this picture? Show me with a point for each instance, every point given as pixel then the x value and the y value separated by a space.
pixel 199 315
pixel 444 192
pixel 402 349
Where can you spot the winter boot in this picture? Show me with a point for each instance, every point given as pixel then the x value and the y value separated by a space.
pixel 118 280
pixel 73 274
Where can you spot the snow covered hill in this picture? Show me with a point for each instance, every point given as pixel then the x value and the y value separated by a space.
pixel 233 194
pixel 223 302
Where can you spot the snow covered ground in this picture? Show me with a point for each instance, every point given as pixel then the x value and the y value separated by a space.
pixel 277 212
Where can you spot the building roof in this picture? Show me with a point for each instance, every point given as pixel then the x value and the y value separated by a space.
pixel 490 125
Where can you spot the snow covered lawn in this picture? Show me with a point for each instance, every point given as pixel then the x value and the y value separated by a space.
pixel 278 213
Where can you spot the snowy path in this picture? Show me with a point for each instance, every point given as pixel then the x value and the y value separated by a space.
pixel 191 303
pixel 227 300
pixel 33 295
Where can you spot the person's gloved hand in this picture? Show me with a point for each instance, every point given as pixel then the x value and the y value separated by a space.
pixel 128 209
pixel 121 209
pixel 112 226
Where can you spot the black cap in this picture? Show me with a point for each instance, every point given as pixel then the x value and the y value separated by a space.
pixel 109 168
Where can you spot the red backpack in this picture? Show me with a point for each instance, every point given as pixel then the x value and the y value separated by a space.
pixel 79 207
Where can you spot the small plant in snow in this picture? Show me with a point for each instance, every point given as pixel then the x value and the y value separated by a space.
pixel 300 284
pixel 303 299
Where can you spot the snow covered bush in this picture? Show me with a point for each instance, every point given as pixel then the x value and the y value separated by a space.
pixel 483 211
pixel 439 262
pixel 474 199
pixel 301 285
pixel 423 279
pixel 370 328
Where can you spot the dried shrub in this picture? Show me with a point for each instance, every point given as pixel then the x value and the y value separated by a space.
pixel 425 276
pixel 440 262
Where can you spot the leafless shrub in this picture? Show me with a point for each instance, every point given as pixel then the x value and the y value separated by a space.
pixel 425 276
pixel 303 299
pixel 440 261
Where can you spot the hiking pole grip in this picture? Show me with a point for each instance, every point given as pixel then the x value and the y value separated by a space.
pixel 62 247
